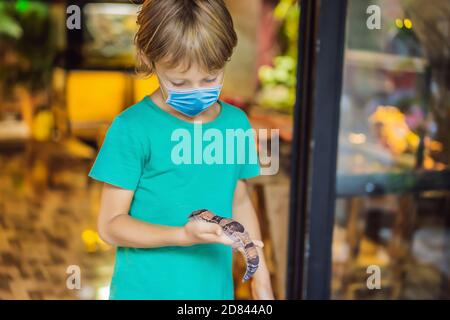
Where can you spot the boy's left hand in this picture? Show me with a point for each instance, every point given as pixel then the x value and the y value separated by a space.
pixel 261 285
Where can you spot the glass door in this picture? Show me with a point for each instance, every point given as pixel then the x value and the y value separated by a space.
pixel 391 236
pixel 370 195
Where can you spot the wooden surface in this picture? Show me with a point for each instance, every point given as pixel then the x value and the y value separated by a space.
pixel 266 119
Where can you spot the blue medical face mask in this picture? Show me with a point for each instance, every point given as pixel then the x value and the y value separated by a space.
pixel 192 102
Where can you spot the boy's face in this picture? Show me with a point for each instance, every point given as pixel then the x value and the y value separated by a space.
pixel 194 77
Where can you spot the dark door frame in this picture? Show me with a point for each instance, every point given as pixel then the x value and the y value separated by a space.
pixel 314 149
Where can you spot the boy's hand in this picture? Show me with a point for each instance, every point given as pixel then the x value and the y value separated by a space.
pixel 195 232
pixel 261 286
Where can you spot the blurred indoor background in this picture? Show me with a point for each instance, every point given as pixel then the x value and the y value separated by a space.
pixel 60 88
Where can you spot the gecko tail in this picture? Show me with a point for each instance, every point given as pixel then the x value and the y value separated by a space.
pixel 252 259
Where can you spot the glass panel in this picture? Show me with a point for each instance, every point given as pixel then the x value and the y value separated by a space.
pixel 392 210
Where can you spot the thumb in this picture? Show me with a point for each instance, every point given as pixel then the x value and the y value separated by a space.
pixel 258 243
pixel 212 228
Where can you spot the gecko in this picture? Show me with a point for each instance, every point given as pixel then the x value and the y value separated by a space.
pixel 236 232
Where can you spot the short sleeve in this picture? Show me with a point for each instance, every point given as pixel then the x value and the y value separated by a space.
pixel 120 159
pixel 250 168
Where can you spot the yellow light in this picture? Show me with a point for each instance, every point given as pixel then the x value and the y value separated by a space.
pixel 90 238
pixel 93 242
pixel 143 87
pixel 428 163
pixel 399 23
pixel 407 23
pixel 434 145
pixel 95 95
pixel 103 293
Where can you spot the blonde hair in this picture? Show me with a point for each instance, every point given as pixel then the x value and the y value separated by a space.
pixel 183 32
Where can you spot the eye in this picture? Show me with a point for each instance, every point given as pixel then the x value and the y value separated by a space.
pixel 177 84
pixel 210 80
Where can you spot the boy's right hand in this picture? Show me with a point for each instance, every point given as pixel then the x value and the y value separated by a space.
pixel 195 232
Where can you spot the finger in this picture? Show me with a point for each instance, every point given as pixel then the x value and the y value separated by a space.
pixel 217 229
pixel 258 243
pixel 240 249
pixel 226 240
pixel 211 237
pixel 208 227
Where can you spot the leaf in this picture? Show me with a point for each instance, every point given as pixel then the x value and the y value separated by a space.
pixel 10 27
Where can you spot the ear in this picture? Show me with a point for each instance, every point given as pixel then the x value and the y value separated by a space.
pixel 144 59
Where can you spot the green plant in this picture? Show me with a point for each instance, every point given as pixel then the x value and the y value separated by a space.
pixel 278 81
pixel 26 47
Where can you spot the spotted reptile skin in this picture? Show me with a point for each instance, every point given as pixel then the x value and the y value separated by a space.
pixel 236 232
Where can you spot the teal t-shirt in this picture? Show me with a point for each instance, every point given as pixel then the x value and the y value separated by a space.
pixel 175 167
